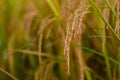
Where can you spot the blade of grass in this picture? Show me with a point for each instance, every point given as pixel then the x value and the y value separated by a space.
pixel 110 6
pixel 98 53
pixel 54 9
pixel 11 76
pixel 87 73
pixel 101 54
pixel 91 2
pixel 29 52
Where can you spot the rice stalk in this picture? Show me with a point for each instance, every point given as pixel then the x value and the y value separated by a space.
pixel 11 52
pixel 48 70
pixel 45 22
pixel 73 28
pixel 41 29
pixel 114 72
pixel 117 29
pixel 31 12
pixel 36 75
pixel 78 52
pixel 5 72
pixel 104 42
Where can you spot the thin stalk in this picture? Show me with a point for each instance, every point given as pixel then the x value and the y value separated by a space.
pixel 10 52
pixel 78 54
pixel 117 29
pixel 104 49
pixel 11 76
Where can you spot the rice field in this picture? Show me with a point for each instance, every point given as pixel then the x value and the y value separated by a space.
pixel 59 40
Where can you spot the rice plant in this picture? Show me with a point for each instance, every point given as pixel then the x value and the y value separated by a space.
pixel 59 39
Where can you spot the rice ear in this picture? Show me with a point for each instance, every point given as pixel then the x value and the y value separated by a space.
pixel 74 26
